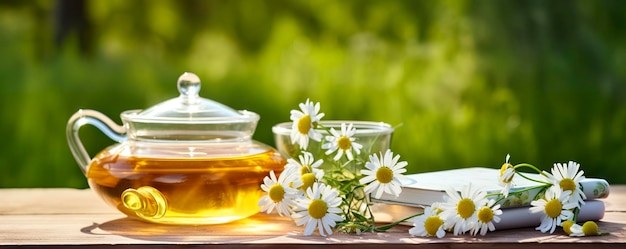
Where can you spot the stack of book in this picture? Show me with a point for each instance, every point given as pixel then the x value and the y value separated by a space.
pixel 424 189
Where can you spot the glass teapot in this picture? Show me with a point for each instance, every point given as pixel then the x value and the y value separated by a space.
pixel 188 160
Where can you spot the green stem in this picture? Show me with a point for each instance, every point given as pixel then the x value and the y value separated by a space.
pixel 371 214
pixel 529 166
pixel 576 211
pixel 521 165
pixel 393 224
pixel 498 200
pixel 531 179
pixel 320 126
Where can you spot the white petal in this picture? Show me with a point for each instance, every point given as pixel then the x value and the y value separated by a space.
pixel 320 227
pixel 310 227
pixel 371 187
pixel 379 192
pixel 367 179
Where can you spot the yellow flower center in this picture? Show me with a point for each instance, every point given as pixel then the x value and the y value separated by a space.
pixel 317 209
pixel 344 143
pixel 436 210
pixel 277 193
pixel 485 214
pixel 304 124
pixel 553 208
pixel 567 184
pixel 590 228
pixel 384 174
pixel 432 224
pixel 304 170
pixel 307 180
pixel 567 225
pixel 465 208
pixel 503 169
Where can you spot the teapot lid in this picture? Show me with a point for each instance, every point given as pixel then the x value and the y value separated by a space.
pixel 190 117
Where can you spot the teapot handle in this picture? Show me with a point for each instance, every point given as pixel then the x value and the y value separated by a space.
pixel 97 119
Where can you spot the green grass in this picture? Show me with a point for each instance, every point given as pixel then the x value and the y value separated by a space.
pixel 466 82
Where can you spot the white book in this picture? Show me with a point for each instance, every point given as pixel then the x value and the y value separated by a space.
pixel 516 217
pixel 423 189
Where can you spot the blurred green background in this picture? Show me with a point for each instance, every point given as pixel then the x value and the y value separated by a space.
pixel 468 81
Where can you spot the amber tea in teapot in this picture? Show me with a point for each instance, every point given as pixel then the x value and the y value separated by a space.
pixel 188 160
pixel 190 190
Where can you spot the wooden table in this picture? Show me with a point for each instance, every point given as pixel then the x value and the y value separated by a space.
pixel 35 218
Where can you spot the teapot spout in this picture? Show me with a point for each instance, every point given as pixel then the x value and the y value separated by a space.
pixel 102 122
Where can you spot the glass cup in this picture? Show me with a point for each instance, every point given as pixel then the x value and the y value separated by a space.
pixel 374 136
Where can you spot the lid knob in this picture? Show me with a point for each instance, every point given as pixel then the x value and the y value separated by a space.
pixel 189 87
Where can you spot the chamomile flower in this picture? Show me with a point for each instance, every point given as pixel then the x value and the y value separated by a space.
pixel 568 178
pixel 306 164
pixel 555 208
pixel 460 210
pixel 279 193
pixel 485 217
pixel 319 209
pixel 304 123
pixel 507 172
pixel 588 228
pixel 428 224
pixel 383 174
pixel 307 170
pixel 342 142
